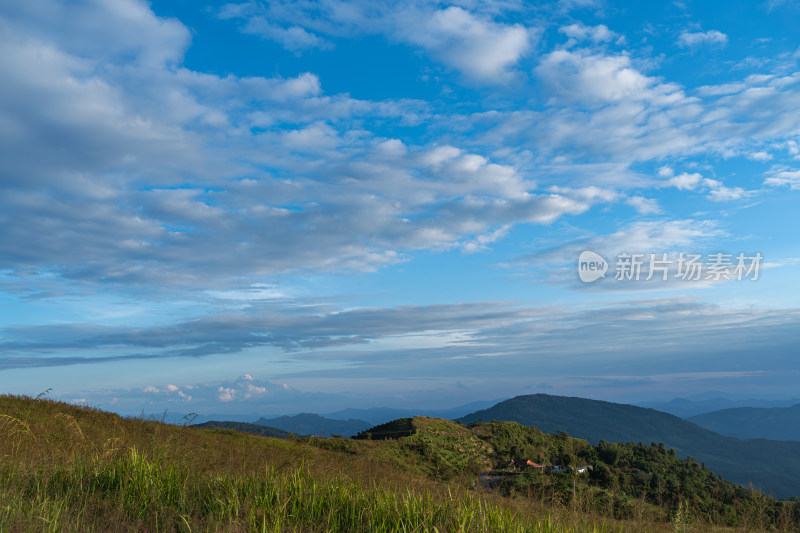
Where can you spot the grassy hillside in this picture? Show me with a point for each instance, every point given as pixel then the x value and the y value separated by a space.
pixel 68 468
pixel 244 427
pixel 771 465
pixel 776 423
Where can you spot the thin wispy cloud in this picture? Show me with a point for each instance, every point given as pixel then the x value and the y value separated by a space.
pixel 690 39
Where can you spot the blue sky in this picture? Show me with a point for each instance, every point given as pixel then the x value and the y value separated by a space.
pixel 274 207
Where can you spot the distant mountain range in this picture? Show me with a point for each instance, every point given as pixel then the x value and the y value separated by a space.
pixel 690 407
pixel 777 423
pixel 349 422
pixel 773 466
pixel 244 427
pixel 713 438
pixel 381 415
pixel 320 426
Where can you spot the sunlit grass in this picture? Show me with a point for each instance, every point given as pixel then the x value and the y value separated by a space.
pixel 136 491
pixel 65 468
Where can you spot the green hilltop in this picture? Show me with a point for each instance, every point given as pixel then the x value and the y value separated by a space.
pixel 612 479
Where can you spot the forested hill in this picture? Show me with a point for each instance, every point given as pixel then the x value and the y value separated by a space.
pixel 773 466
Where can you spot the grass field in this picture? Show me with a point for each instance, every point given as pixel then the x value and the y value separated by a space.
pixel 68 468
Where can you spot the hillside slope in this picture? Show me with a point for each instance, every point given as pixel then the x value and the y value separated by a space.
pixel 774 466
pixel 72 469
pixel 619 480
pixel 776 423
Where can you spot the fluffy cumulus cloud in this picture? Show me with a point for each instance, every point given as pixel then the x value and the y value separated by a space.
pixel 111 150
pixel 595 79
pixel 110 154
pixel 235 396
pixel 685 181
pixel 481 49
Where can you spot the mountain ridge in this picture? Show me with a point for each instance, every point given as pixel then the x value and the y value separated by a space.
pixel 244 427
pixel 773 423
pixel 314 424
pixel 698 405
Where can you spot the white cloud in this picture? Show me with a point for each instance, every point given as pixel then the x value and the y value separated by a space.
pixel 602 108
pixel 720 193
pixel 481 49
pixel 716 190
pixel 574 4
pixel 252 391
pixel 659 236
pixel 104 29
pixel 468 41
pixel 711 339
pixel 685 181
pixel 689 39
pixel 644 206
pixel 721 90
pixel 226 394
pixel 129 134
pixel 481 242
pixel 293 38
pixel 588 78
pixel 783 176
pixel 761 156
pixel 644 236
pixel 666 171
